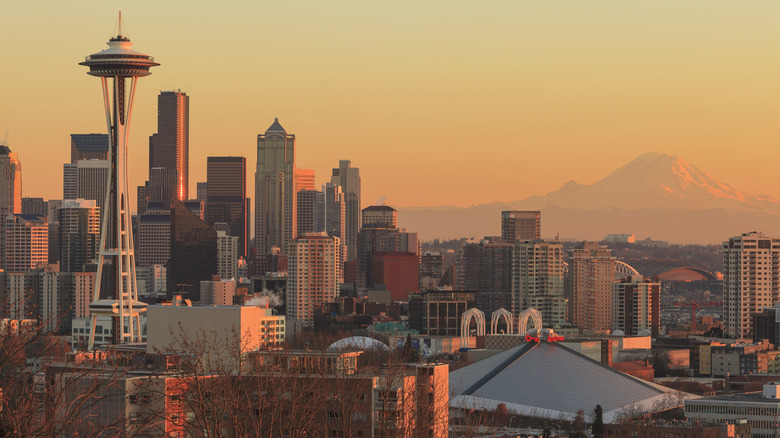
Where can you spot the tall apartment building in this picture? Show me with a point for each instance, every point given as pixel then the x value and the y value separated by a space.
pixel 521 225
pixel 636 306
pixel 226 196
pixel 751 280
pixel 348 178
pixel 537 280
pixel 170 147
pixel 486 267
pixel 313 275
pixel 79 233
pixel 10 190
pixel 589 287
pixel 88 147
pixel 227 255
pixel 26 242
pixel 275 190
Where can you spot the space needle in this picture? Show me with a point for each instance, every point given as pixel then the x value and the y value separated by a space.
pixel 118 68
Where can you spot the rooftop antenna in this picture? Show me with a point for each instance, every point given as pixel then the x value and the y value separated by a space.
pixel 119 26
pixel 5 140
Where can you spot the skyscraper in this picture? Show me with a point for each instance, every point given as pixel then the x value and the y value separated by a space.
pixel 537 280
pixel 10 190
pixel 79 234
pixel 226 196
pixel 521 225
pixel 348 178
pixel 751 280
pixel 119 63
pixel 170 147
pixel 313 275
pixel 589 287
pixel 275 190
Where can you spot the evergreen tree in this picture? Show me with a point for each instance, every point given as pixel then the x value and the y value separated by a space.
pixel 598 422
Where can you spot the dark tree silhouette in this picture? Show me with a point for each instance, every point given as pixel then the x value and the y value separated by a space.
pixel 598 422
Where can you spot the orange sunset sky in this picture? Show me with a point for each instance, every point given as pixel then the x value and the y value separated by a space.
pixel 437 102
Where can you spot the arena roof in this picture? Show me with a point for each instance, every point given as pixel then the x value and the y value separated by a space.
pixel 548 380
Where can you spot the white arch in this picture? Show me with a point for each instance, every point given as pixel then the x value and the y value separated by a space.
pixel 496 317
pixel 624 268
pixel 465 320
pixel 522 321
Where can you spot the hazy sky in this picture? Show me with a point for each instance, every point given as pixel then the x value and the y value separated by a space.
pixel 437 102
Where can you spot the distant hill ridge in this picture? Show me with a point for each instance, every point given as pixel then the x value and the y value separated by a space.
pixel 656 195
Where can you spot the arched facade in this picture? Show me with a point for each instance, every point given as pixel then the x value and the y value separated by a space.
pixel 496 317
pixel 465 320
pixel 522 320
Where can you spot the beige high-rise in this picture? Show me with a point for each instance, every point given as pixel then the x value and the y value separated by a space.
pixel 313 275
pixel 589 287
pixel 751 279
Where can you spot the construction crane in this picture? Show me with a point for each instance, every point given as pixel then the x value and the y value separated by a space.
pixel 695 305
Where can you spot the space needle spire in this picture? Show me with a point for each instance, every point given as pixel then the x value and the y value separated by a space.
pixel 118 68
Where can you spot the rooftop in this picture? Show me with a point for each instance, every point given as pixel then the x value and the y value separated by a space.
pixel 275 127
pixel 379 208
pixel 549 380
